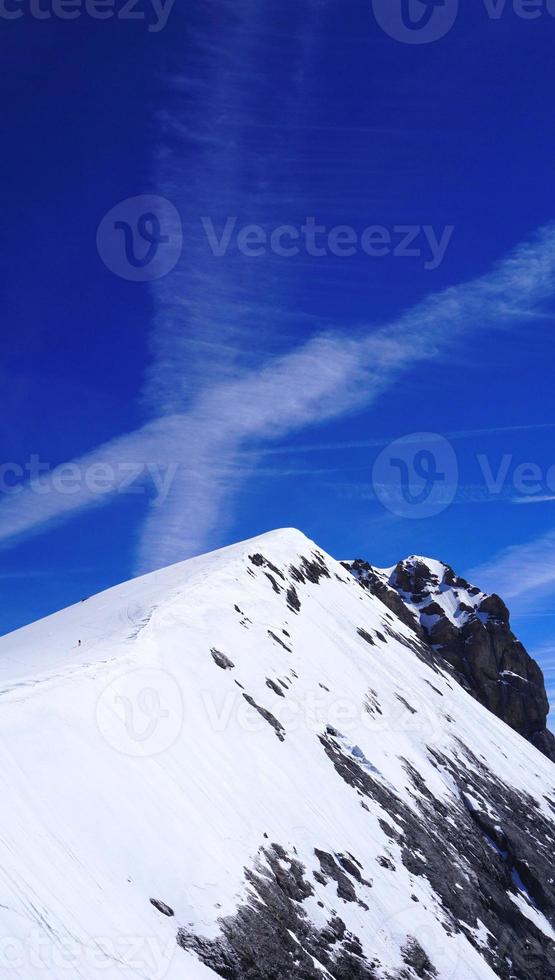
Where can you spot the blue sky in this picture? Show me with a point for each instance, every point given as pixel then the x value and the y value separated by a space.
pixel 251 391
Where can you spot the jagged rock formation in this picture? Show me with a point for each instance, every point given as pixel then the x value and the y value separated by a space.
pixel 470 630
pixel 254 768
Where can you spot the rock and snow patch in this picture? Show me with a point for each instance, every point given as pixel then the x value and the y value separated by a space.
pixel 227 778
pixel 469 630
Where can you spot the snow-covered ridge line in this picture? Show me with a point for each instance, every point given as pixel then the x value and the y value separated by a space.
pixel 253 767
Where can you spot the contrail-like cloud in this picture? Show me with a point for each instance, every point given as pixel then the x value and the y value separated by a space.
pixel 521 570
pixel 324 378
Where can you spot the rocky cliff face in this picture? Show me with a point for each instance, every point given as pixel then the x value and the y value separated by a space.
pixel 470 630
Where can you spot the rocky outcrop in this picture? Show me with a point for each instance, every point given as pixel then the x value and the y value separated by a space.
pixel 377 583
pixel 276 779
pixel 470 630
pixel 488 837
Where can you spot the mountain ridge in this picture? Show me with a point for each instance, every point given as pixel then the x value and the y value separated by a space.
pixel 252 768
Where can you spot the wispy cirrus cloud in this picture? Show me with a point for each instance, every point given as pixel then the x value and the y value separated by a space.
pixel 228 376
pixel 347 445
pixel 544 499
pixel 324 378
pixel 522 569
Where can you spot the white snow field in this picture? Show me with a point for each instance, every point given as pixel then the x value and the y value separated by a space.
pixel 134 768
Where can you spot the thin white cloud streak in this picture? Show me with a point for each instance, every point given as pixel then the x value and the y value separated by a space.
pixel 214 315
pixel 39 503
pixel 545 499
pixel 325 378
pixel 522 569
pixel 346 445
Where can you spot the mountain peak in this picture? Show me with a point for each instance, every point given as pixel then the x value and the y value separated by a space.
pixel 301 788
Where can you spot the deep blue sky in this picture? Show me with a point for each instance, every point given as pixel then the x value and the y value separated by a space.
pixel 272 112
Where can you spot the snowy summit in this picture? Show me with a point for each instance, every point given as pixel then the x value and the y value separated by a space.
pixel 264 764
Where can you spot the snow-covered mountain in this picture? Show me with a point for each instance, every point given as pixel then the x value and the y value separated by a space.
pixel 251 765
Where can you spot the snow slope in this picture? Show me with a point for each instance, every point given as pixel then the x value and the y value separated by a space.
pixel 254 723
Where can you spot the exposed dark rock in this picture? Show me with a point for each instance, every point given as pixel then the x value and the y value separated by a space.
pixel 270 936
pixel 494 607
pixel 261 562
pixel 545 742
pixel 257 560
pixel 385 862
pixel 496 669
pixel 274 687
pixel 435 689
pixel 473 861
pixel 279 641
pixel 275 586
pixel 268 716
pixel 370 580
pixel 335 870
pixel 311 570
pixel 408 706
pixel 446 844
pixel 415 957
pixel 479 647
pixel 162 907
pixel 479 847
pixel 372 704
pixel 221 660
pixel 315 568
pixel 293 600
pixel 366 636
